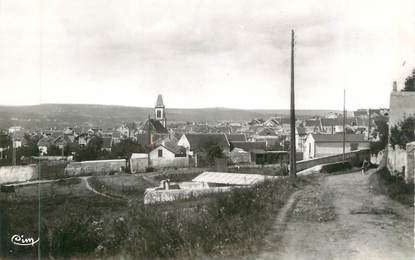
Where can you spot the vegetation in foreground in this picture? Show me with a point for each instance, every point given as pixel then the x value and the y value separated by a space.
pixel 223 224
pixel 394 186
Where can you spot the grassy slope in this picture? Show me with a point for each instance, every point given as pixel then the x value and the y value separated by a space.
pixel 231 223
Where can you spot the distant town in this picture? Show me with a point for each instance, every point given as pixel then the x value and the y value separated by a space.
pixel 243 142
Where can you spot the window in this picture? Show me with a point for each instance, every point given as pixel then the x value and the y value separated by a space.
pixel 160 152
pixel 158 115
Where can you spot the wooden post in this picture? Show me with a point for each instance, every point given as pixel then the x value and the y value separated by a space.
pixel 344 123
pixel 292 114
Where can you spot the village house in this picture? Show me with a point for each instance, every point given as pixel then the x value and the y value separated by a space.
pixel 320 145
pixel 167 151
pixel 401 105
pixel 107 143
pixel 198 144
pixel 313 125
pixel 43 144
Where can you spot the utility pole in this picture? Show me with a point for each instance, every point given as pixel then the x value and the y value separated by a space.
pixel 13 151
pixel 368 130
pixel 292 115
pixel 344 124
pixel 149 140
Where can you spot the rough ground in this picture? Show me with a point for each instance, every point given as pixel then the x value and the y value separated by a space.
pixel 340 217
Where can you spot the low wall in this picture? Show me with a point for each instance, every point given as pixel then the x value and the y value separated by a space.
pixel 410 162
pixel 179 162
pixel 402 161
pixel 9 174
pixel 140 164
pixel 101 167
pixel 396 161
pixel 157 196
pixel 357 156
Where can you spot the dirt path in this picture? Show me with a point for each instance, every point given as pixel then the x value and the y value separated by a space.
pixel 341 218
pixel 89 187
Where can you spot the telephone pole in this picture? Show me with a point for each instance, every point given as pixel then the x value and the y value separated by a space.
pixel 368 129
pixel 292 115
pixel 344 124
pixel 13 151
pixel 149 141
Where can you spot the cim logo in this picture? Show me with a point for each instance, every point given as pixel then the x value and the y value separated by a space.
pixel 20 240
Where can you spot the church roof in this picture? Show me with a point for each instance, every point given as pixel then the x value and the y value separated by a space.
pixel 155 127
pixel 159 102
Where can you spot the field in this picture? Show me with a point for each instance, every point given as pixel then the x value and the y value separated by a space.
pixel 76 222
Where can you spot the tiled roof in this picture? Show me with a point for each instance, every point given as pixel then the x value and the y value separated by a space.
pixel 326 138
pixel 313 122
pixel 204 141
pixel 174 148
pixel 155 127
pixel 249 146
pixel 236 137
pixel 45 141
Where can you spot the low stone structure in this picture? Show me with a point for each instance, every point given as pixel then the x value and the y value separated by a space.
pixel 10 174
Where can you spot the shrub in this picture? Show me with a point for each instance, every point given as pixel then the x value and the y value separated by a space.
pixel 336 167
pixel 395 187
pixel 74 236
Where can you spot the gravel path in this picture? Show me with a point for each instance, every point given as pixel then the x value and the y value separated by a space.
pixel 341 218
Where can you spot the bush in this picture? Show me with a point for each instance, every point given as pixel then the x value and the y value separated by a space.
pixel 336 167
pixel 395 187
pixel 74 236
pixel 149 169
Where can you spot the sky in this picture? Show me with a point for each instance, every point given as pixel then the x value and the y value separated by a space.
pixel 205 53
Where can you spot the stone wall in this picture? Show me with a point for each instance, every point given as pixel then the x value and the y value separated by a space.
pixel 410 162
pixel 357 156
pixel 157 196
pixel 396 160
pixel 9 174
pixel 94 167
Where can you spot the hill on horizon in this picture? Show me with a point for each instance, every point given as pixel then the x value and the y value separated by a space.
pixel 110 116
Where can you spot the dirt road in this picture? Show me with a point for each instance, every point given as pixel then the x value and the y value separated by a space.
pixel 342 218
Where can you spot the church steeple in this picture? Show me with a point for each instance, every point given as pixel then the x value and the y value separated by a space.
pixel 160 111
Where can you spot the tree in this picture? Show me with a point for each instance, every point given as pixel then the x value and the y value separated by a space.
pixel 125 148
pixel 382 129
pixel 92 150
pixel 410 82
pixel 403 133
pixel 214 151
pixel 54 150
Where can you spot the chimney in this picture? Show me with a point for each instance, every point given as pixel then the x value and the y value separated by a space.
pixel 395 87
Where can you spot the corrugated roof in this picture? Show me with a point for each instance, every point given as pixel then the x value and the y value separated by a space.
pixel 231 178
